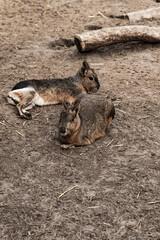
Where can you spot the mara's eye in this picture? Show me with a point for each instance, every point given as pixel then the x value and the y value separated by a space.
pixel 90 78
pixel 72 120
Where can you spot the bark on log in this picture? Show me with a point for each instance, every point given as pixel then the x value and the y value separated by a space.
pixel 107 36
pixel 148 13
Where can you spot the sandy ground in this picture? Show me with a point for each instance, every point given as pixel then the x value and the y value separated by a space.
pixel 113 185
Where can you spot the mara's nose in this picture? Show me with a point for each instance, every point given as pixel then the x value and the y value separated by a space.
pixel 62 130
pixel 96 89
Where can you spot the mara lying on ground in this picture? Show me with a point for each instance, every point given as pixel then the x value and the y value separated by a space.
pixel 82 122
pixel 29 93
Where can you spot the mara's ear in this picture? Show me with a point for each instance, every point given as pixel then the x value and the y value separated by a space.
pixel 65 105
pixel 85 67
pixel 76 106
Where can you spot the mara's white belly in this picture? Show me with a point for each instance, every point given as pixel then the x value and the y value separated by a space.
pixel 39 101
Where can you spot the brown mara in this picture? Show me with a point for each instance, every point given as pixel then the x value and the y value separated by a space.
pixel 87 119
pixel 29 93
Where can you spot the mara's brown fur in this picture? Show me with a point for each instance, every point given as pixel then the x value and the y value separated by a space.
pixel 82 122
pixel 29 93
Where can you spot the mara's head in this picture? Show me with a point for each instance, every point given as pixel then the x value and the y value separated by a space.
pixel 89 78
pixel 69 122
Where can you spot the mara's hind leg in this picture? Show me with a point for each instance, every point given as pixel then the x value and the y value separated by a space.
pixel 25 104
pixel 13 98
pixel 22 109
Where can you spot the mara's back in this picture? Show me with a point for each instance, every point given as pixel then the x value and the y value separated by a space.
pixel 45 83
pixel 95 111
pixel 93 105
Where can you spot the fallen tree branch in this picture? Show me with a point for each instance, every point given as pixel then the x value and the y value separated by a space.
pixel 107 36
pixel 148 14
pixel 142 14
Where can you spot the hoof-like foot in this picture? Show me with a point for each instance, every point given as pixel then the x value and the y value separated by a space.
pixel 27 116
pixel 67 146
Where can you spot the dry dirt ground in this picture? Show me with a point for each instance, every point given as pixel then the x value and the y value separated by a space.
pixel 112 186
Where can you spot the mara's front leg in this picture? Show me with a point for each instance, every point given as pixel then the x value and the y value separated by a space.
pixel 82 142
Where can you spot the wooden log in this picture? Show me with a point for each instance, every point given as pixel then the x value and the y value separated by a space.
pixel 144 14
pixel 107 36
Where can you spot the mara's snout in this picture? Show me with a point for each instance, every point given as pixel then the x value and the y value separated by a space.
pixel 96 88
pixel 98 84
pixel 63 131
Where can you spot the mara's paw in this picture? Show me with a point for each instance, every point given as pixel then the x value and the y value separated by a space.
pixel 26 115
pixel 67 146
